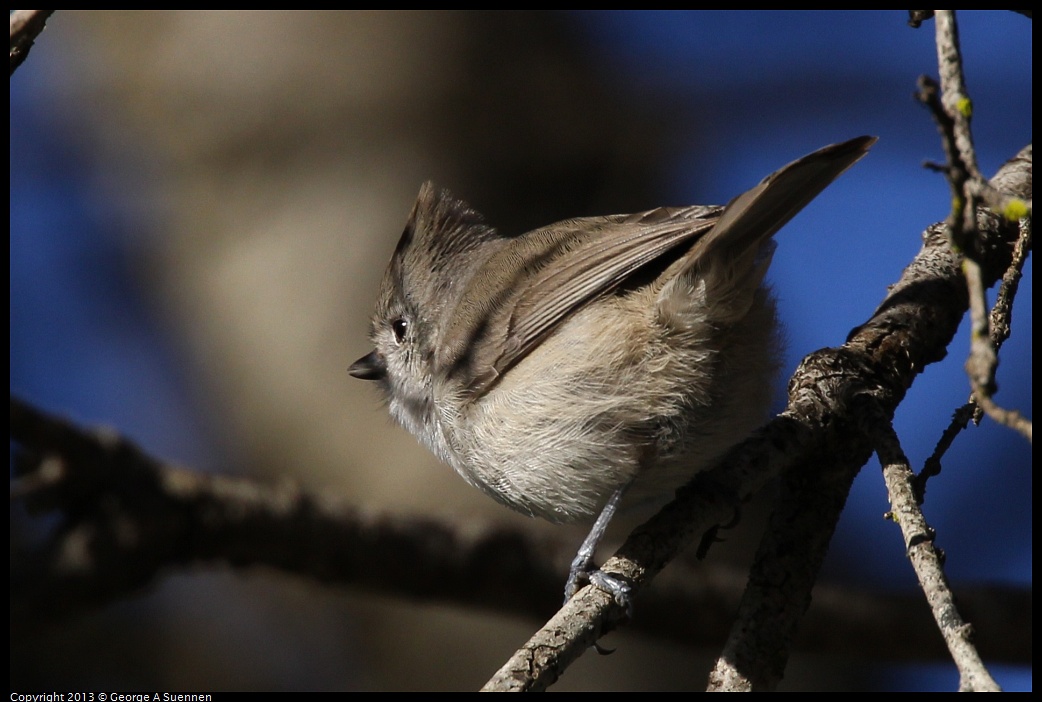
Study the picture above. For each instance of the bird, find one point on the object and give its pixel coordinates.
(594, 359)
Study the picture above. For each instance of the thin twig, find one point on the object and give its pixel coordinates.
(999, 328)
(952, 109)
(927, 563)
(961, 418)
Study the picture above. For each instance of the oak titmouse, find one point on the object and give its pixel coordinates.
(559, 369)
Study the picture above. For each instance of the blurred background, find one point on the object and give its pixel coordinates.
(202, 204)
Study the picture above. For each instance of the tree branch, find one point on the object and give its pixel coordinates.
(26, 25)
(927, 562)
(952, 109)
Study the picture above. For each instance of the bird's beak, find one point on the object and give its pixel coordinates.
(369, 367)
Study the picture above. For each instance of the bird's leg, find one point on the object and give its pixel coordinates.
(581, 569)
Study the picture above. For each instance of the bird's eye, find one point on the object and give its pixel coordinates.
(399, 327)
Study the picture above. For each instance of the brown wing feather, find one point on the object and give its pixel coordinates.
(560, 268)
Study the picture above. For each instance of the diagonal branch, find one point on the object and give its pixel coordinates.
(927, 562)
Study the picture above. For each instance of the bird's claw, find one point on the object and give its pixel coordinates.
(619, 590)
